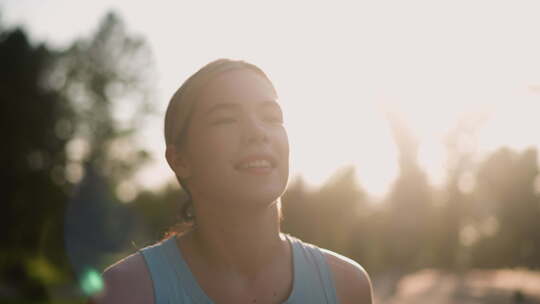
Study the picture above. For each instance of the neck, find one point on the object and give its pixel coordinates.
(244, 242)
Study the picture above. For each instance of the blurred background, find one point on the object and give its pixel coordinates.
(413, 128)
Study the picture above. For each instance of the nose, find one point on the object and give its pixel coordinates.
(255, 131)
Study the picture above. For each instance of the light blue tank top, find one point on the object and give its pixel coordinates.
(174, 282)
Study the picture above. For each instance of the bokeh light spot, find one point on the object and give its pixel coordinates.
(91, 282)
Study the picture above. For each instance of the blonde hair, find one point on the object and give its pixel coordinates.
(180, 106)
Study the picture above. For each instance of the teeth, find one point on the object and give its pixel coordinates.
(256, 164)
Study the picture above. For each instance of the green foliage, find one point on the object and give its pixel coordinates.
(506, 191)
(35, 129)
(334, 209)
(65, 114)
(108, 78)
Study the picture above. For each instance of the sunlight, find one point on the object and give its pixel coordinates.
(126, 191)
(435, 89)
(331, 83)
(432, 159)
(466, 182)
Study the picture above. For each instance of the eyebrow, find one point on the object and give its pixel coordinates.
(222, 106)
(235, 106)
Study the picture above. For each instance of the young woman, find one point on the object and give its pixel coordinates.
(228, 147)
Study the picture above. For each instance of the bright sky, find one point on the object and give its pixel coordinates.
(336, 65)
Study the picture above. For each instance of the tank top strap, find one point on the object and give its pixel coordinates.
(160, 273)
(313, 277)
(171, 275)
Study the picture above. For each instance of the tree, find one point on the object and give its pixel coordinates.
(454, 212)
(36, 124)
(69, 124)
(408, 206)
(508, 230)
(108, 78)
(326, 217)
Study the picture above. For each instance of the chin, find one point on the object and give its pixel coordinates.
(260, 197)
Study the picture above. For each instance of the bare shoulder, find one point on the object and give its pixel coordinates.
(353, 284)
(126, 281)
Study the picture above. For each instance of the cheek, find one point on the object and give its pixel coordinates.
(282, 144)
(209, 154)
(282, 140)
(208, 151)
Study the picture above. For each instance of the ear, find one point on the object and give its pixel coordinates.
(177, 161)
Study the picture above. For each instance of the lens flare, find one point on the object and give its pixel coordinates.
(91, 282)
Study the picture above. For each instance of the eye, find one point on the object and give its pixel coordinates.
(274, 118)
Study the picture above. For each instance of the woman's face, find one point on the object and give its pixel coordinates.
(237, 148)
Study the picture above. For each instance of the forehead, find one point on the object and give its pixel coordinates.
(238, 86)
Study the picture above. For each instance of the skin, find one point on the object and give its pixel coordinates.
(237, 252)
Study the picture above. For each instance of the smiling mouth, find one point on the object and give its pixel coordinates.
(262, 163)
(256, 165)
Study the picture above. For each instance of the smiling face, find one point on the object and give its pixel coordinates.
(236, 149)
